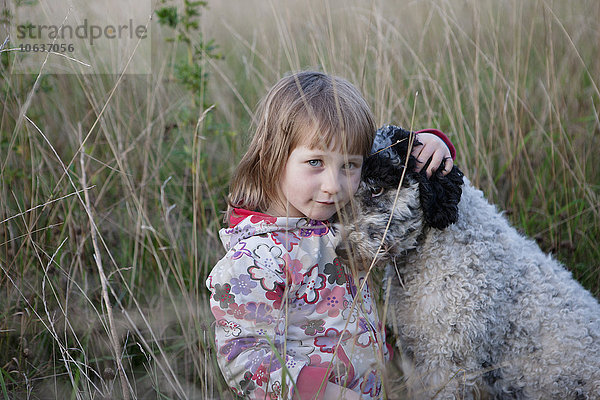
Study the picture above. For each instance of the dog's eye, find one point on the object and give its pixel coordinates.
(376, 191)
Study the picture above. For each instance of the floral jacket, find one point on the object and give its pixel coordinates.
(285, 308)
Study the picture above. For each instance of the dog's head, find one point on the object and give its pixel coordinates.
(421, 202)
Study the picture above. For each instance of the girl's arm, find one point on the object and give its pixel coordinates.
(435, 146)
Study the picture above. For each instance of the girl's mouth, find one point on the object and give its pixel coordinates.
(327, 203)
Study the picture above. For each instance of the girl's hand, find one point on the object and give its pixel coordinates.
(432, 147)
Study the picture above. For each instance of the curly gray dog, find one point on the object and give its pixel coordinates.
(482, 312)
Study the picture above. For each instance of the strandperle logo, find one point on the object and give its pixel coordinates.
(79, 36)
(87, 31)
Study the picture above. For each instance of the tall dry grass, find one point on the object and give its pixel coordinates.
(112, 187)
(514, 84)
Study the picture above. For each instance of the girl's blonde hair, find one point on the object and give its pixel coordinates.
(306, 108)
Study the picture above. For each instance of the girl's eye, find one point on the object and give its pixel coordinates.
(315, 163)
(350, 165)
(376, 191)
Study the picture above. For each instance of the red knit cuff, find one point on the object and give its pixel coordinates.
(444, 138)
(311, 383)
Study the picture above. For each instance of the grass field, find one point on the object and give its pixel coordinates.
(112, 187)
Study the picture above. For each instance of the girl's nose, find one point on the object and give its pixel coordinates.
(331, 183)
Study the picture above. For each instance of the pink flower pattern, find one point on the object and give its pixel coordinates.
(332, 301)
(276, 295)
(286, 238)
(261, 376)
(293, 269)
(330, 340)
(237, 311)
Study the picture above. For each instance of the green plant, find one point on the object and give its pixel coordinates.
(191, 70)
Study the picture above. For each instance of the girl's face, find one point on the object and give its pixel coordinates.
(315, 183)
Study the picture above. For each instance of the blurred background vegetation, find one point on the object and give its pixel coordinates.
(112, 187)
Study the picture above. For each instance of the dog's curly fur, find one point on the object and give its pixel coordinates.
(481, 310)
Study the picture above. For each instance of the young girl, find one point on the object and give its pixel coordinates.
(291, 321)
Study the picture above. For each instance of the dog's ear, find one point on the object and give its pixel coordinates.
(440, 196)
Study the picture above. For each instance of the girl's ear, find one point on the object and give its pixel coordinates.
(440, 196)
